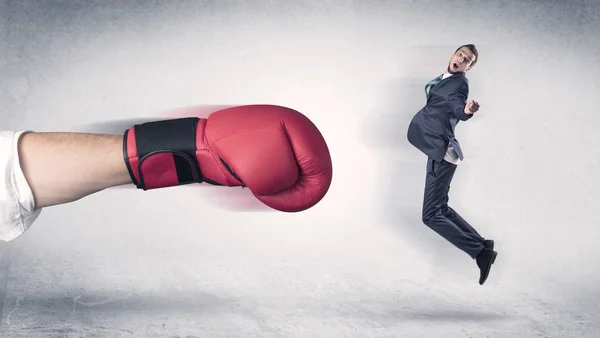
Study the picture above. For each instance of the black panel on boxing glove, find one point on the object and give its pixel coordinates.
(177, 137)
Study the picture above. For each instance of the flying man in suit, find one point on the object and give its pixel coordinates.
(432, 131)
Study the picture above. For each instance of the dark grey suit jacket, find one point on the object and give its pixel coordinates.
(432, 128)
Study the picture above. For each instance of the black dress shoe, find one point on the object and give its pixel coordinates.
(488, 244)
(485, 259)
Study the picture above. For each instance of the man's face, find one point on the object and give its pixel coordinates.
(461, 61)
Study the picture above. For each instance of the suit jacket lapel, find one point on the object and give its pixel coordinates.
(444, 81)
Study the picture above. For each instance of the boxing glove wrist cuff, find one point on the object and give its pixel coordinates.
(162, 153)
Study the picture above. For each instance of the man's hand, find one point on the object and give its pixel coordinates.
(471, 107)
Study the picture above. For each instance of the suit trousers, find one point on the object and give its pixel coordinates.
(440, 217)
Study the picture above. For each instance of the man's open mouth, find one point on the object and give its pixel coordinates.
(455, 65)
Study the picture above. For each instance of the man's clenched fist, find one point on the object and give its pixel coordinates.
(471, 107)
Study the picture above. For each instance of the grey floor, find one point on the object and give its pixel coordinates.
(211, 262)
(90, 279)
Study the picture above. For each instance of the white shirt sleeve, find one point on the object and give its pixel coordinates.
(17, 204)
(451, 155)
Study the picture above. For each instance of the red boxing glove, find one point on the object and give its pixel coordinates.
(277, 152)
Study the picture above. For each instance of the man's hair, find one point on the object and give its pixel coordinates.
(473, 49)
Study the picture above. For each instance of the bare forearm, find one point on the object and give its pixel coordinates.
(64, 167)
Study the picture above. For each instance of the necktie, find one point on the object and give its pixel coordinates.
(432, 83)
